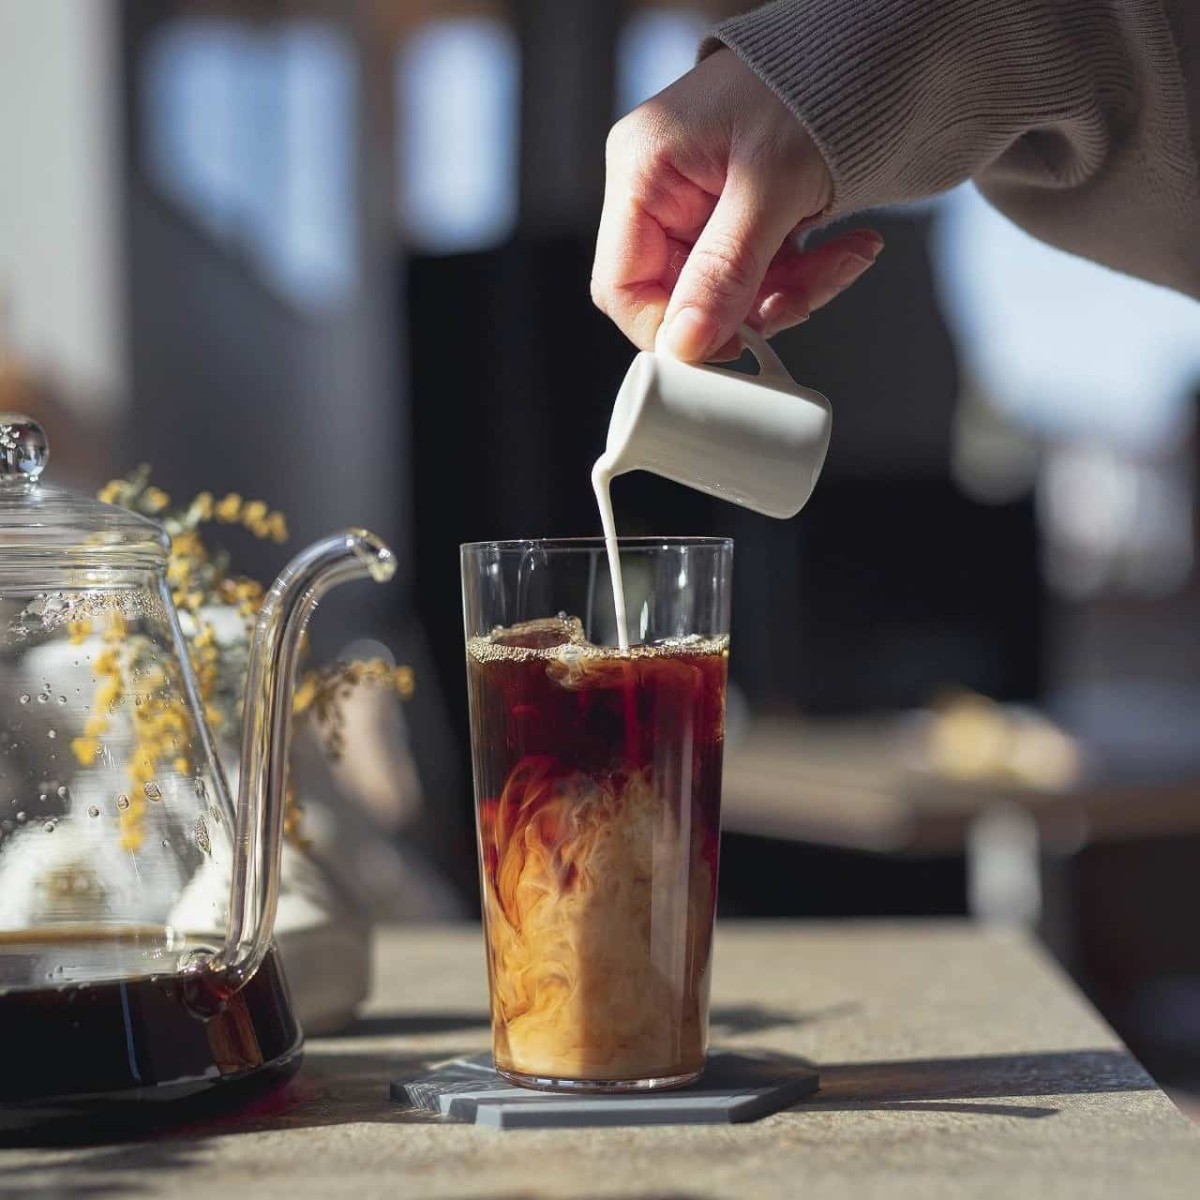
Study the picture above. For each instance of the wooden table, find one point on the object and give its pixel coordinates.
(956, 1061)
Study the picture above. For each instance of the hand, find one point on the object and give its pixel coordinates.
(708, 185)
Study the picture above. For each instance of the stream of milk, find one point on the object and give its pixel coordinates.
(602, 475)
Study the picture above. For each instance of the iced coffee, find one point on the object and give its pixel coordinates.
(598, 776)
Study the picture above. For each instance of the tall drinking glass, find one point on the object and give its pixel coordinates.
(598, 790)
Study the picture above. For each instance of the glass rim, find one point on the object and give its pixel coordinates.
(594, 543)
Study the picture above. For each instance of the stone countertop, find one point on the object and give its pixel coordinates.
(956, 1061)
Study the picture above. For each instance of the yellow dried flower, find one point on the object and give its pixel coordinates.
(227, 510)
(85, 749)
(155, 500)
(197, 578)
(253, 512)
(404, 681)
(306, 694)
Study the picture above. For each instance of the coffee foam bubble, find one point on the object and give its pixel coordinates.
(561, 640)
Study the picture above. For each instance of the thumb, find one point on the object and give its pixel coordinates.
(725, 268)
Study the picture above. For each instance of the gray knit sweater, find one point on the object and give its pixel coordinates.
(1080, 119)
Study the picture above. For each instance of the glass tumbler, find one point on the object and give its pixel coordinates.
(598, 788)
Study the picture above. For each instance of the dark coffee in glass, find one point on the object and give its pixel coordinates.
(598, 780)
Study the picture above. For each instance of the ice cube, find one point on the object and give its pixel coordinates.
(543, 634)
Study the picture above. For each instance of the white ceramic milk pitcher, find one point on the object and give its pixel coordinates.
(757, 440)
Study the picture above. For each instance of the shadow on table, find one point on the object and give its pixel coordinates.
(414, 1024)
(728, 1020)
(925, 1085)
(126, 1169)
(340, 1084)
(333, 1088)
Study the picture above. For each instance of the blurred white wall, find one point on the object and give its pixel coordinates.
(61, 296)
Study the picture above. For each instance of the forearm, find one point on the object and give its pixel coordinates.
(1070, 114)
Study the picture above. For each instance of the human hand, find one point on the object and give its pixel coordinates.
(708, 185)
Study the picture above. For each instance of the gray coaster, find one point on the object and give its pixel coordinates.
(733, 1088)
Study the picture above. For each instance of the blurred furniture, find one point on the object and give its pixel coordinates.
(857, 784)
(863, 784)
(954, 1061)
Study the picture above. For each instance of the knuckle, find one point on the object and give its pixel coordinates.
(639, 141)
(624, 136)
(726, 264)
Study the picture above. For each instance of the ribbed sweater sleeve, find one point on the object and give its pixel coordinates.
(1071, 115)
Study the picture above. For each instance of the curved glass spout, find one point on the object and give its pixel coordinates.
(267, 735)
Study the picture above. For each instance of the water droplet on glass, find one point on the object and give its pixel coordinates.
(62, 699)
(153, 791)
(122, 802)
(63, 791)
(25, 697)
(93, 811)
(200, 832)
(42, 697)
(201, 789)
(52, 733)
(49, 826)
(42, 797)
(21, 818)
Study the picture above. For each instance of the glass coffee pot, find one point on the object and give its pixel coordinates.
(137, 972)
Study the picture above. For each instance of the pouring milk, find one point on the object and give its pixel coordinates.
(756, 440)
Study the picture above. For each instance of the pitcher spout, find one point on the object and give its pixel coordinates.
(266, 735)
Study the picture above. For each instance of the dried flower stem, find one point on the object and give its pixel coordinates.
(200, 585)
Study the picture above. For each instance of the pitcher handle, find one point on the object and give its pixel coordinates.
(770, 366)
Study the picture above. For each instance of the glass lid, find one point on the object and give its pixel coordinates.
(42, 526)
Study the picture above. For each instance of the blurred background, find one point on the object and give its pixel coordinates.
(336, 256)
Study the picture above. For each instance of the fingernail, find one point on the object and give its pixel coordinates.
(850, 268)
(690, 334)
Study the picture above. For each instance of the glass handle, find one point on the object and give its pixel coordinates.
(267, 735)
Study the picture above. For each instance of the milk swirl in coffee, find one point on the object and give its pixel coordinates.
(598, 775)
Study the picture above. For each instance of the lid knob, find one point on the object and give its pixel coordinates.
(24, 451)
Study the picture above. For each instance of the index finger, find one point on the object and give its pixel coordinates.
(632, 268)
(651, 216)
